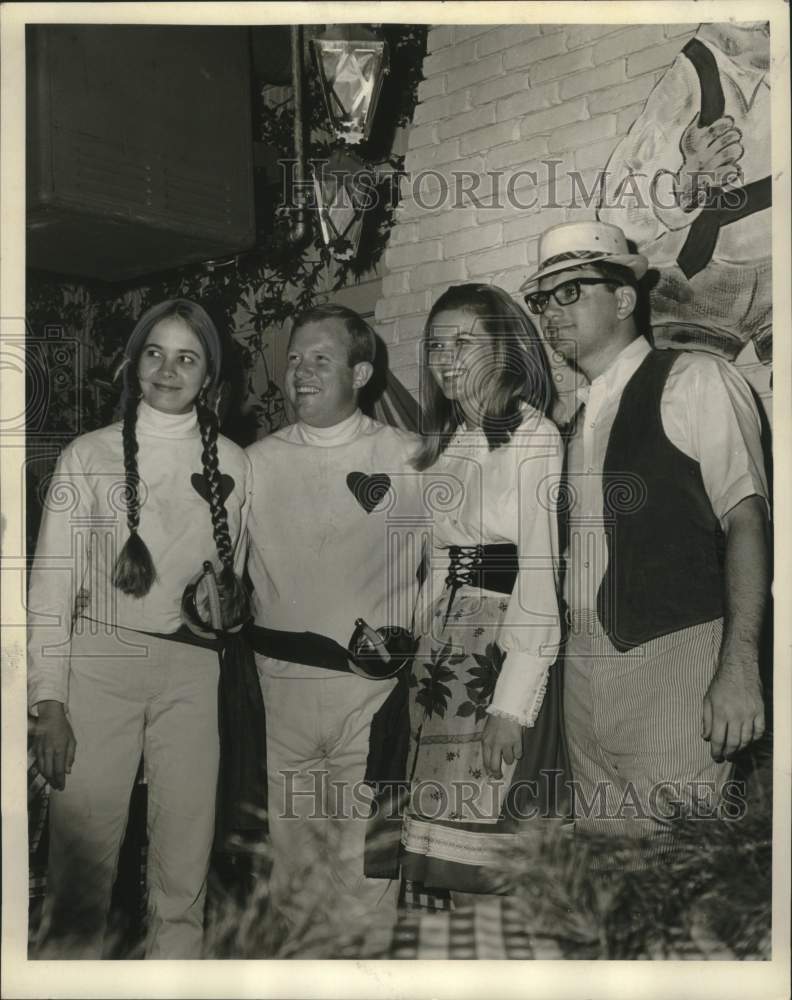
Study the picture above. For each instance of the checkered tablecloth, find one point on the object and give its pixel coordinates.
(496, 927)
(493, 928)
(488, 928)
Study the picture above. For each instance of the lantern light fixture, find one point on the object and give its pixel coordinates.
(351, 61)
(343, 193)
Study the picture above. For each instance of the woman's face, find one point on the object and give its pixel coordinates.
(460, 358)
(172, 368)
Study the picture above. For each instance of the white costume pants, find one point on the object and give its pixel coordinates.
(317, 745)
(131, 693)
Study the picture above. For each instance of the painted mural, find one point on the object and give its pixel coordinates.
(690, 185)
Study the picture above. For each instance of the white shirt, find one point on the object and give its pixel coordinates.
(501, 496)
(707, 411)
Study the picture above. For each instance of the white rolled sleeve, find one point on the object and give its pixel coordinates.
(54, 581)
(709, 413)
(531, 630)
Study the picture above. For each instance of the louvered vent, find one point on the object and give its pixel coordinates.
(139, 147)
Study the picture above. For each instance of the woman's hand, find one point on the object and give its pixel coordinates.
(53, 743)
(501, 738)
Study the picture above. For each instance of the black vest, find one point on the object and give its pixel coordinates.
(665, 545)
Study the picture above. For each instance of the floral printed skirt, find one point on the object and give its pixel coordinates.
(460, 820)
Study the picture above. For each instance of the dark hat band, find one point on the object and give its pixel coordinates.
(560, 258)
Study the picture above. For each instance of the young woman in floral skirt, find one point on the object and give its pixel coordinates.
(486, 740)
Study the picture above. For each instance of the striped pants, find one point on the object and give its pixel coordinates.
(633, 724)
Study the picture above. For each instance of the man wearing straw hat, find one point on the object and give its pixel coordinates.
(667, 556)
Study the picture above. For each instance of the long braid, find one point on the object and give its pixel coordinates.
(134, 571)
(234, 602)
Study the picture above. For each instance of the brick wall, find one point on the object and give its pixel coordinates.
(496, 105)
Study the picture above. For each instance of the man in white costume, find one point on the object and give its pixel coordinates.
(329, 494)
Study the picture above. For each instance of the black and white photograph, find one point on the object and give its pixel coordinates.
(396, 463)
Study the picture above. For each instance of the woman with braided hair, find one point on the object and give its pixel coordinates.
(134, 511)
(484, 705)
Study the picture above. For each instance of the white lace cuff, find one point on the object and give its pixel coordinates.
(525, 708)
(538, 700)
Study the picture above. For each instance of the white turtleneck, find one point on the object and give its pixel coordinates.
(173, 426)
(84, 527)
(317, 558)
(326, 437)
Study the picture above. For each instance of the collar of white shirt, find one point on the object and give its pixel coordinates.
(619, 372)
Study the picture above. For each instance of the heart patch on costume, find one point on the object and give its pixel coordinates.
(199, 485)
(368, 490)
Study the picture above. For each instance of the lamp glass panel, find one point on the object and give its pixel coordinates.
(340, 217)
(351, 74)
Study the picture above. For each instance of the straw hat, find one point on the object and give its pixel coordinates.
(574, 244)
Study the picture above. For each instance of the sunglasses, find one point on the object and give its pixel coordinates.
(564, 294)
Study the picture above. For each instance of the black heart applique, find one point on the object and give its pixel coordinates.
(368, 490)
(199, 485)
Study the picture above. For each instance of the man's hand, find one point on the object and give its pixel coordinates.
(733, 710)
(732, 713)
(710, 158)
(54, 744)
(501, 738)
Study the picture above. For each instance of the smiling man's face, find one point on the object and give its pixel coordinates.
(320, 383)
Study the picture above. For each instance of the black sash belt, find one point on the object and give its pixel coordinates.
(182, 634)
(308, 648)
(189, 638)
